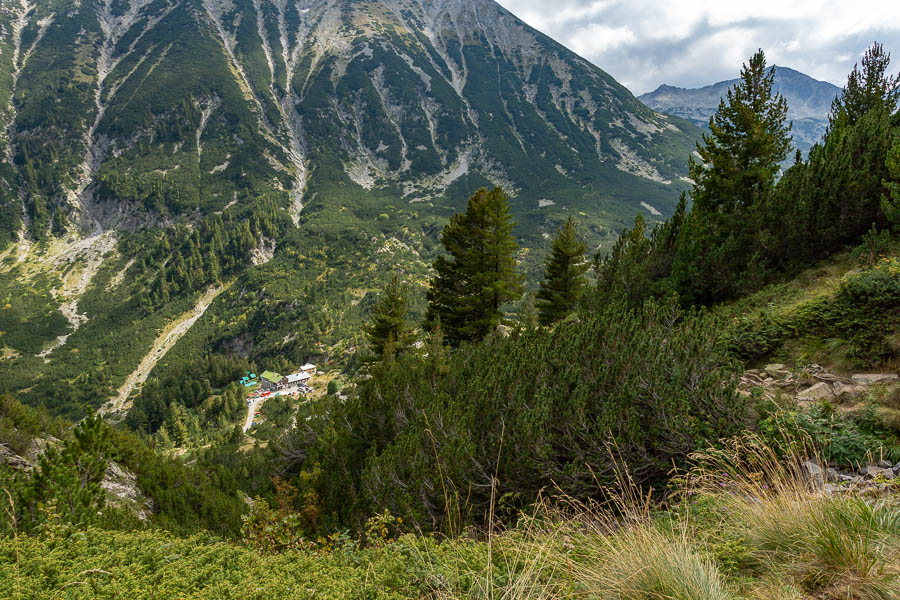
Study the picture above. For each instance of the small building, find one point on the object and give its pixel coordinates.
(298, 378)
(271, 381)
(308, 367)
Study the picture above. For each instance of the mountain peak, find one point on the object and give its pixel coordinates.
(809, 101)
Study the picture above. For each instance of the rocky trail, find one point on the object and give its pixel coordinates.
(811, 384)
(161, 346)
(814, 384)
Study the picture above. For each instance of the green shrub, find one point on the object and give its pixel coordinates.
(844, 438)
(873, 246)
(540, 410)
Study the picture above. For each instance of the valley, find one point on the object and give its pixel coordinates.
(405, 299)
(352, 122)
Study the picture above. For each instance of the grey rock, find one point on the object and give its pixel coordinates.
(873, 472)
(832, 475)
(813, 472)
(885, 464)
(819, 391)
(873, 378)
(13, 460)
(777, 371)
(844, 389)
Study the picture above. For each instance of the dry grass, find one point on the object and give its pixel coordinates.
(791, 541)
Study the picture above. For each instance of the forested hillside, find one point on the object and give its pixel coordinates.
(194, 190)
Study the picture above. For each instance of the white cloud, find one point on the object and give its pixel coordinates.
(645, 43)
(597, 39)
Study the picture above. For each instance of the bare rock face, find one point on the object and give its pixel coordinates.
(122, 491)
(11, 459)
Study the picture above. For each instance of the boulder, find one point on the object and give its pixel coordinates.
(825, 377)
(885, 464)
(873, 472)
(873, 378)
(777, 371)
(817, 392)
(813, 472)
(843, 389)
(832, 475)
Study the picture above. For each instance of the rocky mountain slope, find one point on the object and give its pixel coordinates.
(809, 101)
(302, 149)
(116, 112)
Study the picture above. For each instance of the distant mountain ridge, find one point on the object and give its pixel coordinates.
(809, 101)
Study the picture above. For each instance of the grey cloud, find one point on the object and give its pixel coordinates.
(706, 52)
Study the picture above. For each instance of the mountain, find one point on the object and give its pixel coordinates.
(106, 96)
(809, 102)
(195, 180)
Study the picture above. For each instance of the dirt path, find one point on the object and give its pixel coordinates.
(166, 340)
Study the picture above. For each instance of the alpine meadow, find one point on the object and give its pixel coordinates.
(395, 299)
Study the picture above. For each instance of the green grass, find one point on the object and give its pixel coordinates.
(743, 525)
(841, 313)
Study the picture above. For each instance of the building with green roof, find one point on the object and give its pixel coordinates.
(271, 380)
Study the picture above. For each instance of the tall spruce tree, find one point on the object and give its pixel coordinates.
(843, 186)
(739, 159)
(890, 202)
(733, 179)
(478, 274)
(564, 270)
(389, 327)
(870, 88)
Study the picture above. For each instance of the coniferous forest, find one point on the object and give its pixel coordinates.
(589, 423)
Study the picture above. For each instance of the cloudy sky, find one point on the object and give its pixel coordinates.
(689, 43)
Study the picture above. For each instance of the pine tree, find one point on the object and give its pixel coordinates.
(890, 203)
(868, 89)
(564, 270)
(69, 478)
(528, 313)
(478, 276)
(733, 180)
(389, 321)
